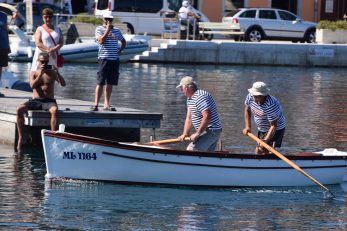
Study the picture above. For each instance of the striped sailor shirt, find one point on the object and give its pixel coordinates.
(266, 113)
(110, 48)
(201, 101)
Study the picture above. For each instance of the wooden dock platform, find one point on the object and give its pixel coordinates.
(124, 124)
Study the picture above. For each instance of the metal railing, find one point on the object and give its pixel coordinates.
(174, 27)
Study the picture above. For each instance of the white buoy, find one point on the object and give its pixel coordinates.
(30, 52)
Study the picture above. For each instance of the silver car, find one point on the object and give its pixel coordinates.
(269, 23)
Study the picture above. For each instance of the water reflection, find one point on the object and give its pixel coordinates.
(21, 188)
(102, 206)
(315, 107)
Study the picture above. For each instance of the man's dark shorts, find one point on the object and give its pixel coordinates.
(3, 58)
(276, 139)
(108, 72)
(40, 104)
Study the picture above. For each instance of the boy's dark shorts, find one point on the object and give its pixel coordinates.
(276, 139)
(3, 58)
(40, 104)
(108, 72)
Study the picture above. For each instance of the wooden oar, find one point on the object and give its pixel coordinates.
(168, 141)
(285, 159)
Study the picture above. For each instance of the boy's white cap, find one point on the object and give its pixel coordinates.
(107, 14)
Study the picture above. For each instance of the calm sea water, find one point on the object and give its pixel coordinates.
(314, 101)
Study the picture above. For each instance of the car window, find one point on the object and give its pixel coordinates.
(248, 14)
(102, 5)
(124, 5)
(21, 8)
(232, 13)
(36, 10)
(286, 15)
(267, 14)
(44, 6)
(149, 6)
(174, 5)
(54, 8)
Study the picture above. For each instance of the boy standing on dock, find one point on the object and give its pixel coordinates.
(107, 38)
(42, 82)
(4, 44)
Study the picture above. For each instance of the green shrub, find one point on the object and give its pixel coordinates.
(332, 25)
(90, 19)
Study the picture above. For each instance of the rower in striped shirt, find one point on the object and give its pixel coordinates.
(268, 116)
(202, 115)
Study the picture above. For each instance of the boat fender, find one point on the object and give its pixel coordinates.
(61, 127)
(332, 152)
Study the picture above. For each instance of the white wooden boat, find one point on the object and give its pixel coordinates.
(23, 48)
(80, 157)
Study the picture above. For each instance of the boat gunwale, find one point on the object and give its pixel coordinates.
(164, 151)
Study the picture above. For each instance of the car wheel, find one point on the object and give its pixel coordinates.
(254, 35)
(311, 36)
(208, 37)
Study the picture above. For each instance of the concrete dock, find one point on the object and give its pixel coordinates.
(245, 53)
(124, 124)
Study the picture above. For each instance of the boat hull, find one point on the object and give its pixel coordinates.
(79, 157)
(85, 52)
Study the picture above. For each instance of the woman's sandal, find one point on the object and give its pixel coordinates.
(109, 109)
(94, 108)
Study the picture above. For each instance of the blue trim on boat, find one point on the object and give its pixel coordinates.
(211, 165)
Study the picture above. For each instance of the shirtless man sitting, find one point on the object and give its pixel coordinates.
(42, 82)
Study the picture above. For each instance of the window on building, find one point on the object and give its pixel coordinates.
(230, 5)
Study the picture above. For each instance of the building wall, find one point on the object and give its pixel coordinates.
(214, 9)
(307, 10)
(311, 10)
(258, 3)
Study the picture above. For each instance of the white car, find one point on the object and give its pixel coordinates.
(269, 23)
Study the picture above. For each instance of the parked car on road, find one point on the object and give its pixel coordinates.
(269, 23)
(37, 15)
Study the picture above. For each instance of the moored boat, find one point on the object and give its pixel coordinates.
(80, 157)
(23, 48)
